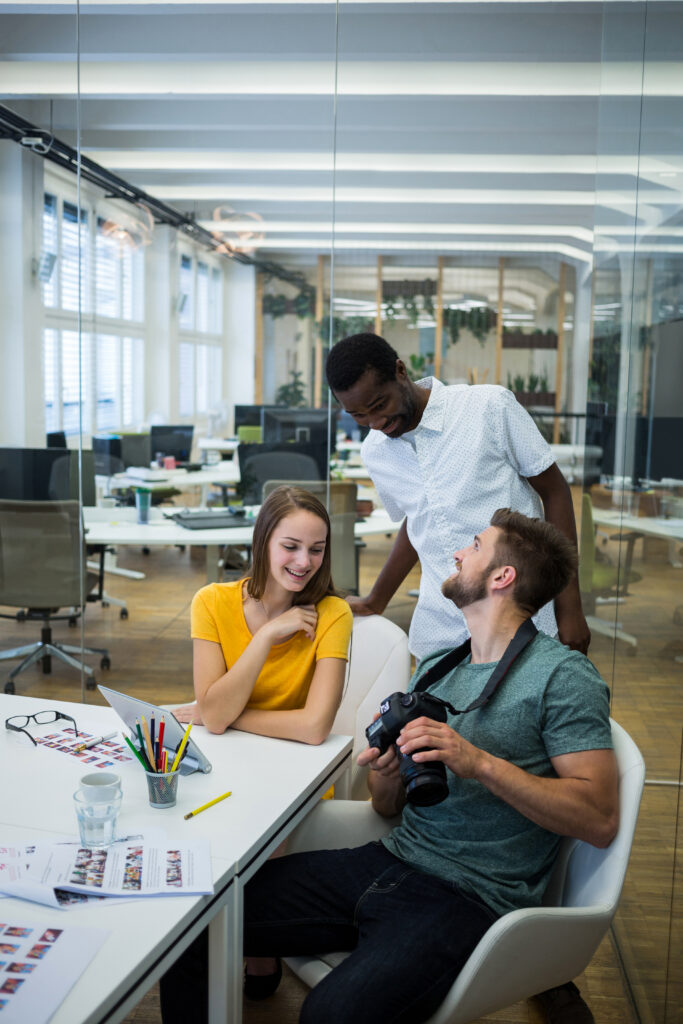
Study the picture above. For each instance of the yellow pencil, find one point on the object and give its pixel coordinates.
(176, 761)
(204, 806)
(148, 742)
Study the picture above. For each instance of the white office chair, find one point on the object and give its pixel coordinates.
(525, 951)
(379, 664)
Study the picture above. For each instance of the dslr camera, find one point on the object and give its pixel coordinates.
(425, 783)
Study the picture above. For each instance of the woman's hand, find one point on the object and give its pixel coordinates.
(302, 617)
(189, 713)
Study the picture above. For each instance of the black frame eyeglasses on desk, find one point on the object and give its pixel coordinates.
(18, 723)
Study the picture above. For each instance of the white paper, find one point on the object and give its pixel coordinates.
(127, 868)
(39, 964)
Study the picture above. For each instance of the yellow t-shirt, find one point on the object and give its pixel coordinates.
(284, 681)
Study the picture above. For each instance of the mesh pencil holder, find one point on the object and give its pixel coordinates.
(162, 788)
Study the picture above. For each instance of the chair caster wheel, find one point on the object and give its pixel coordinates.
(72, 623)
(105, 662)
(123, 614)
(105, 604)
(21, 616)
(145, 551)
(9, 688)
(90, 683)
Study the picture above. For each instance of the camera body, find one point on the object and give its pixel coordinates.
(425, 783)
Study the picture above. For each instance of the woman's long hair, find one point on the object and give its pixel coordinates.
(280, 503)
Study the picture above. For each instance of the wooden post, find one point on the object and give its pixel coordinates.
(258, 342)
(499, 322)
(561, 287)
(378, 299)
(319, 312)
(438, 330)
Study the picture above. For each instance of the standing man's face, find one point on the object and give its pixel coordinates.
(390, 406)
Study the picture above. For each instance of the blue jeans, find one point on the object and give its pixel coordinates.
(409, 935)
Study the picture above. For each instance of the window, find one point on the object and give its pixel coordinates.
(200, 362)
(102, 386)
(201, 369)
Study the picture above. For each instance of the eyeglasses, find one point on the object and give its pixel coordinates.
(18, 723)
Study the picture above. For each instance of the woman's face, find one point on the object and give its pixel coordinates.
(296, 549)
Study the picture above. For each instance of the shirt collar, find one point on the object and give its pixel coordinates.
(434, 411)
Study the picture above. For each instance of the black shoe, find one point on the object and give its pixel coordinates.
(564, 1005)
(261, 986)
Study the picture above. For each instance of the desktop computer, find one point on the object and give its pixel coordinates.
(46, 474)
(172, 440)
(305, 426)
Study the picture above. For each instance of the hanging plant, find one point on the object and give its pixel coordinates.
(428, 306)
(304, 303)
(293, 394)
(411, 310)
(389, 311)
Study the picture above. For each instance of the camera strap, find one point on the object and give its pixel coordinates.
(520, 641)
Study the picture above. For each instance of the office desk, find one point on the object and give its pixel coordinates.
(274, 784)
(653, 526)
(120, 526)
(225, 445)
(225, 473)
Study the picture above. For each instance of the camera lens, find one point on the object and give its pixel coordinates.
(425, 784)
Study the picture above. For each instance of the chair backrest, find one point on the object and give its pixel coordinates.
(585, 875)
(342, 512)
(261, 466)
(379, 664)
(42, 557)
(250, 435)
(55, 439)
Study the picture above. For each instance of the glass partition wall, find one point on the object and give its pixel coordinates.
(197, 201)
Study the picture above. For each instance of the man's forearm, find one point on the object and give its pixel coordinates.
(401, 560)
(387, 792)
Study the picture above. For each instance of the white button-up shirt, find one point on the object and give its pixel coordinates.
(470, 455)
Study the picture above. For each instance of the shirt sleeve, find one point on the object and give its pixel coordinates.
(576, 709)
(521, 441)
(202, 617)
(335, 632)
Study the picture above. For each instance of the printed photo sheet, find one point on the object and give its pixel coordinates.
(128, 868)
(39, 963)
(109, 754)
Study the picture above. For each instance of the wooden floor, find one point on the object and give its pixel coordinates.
(151, 658)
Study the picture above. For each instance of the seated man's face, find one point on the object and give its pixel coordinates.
(388, 406)
(474, 565)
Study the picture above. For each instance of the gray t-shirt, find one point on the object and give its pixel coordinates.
(552, 701)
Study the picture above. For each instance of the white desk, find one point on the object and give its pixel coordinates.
(654, 526)
(120, 526)
(274, 784)
(227, 473)
(218, 444)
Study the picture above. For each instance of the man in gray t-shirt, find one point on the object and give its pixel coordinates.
(532, 764)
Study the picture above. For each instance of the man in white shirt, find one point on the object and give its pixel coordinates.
(443, 459)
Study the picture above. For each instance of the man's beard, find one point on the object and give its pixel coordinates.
(465, 592)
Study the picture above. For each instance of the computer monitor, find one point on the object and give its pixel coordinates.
(250, 415)
(305, 426)
(56, 439)
(136, 450)
(45, 474)
(317, 451)
(656, 445)
(172, 440)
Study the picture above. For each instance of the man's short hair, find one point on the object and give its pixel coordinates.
(544, 559)
(351, 357)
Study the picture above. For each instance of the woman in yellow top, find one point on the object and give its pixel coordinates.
(270, 650)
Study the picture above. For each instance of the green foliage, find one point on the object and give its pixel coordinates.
(302, 305)
(478, 321)
(342, 327)
(292, 394)
(420, 366)
(518, 383)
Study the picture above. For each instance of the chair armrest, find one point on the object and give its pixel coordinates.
(336, 824)
(524, 952)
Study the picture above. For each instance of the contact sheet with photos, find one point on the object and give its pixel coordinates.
(133, 867)
(108, 754)
(39, 963)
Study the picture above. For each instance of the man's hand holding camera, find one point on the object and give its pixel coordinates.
(436, 741)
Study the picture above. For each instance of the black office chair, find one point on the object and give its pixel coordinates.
(256, 467)
(43, 569)
(55, 439)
